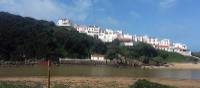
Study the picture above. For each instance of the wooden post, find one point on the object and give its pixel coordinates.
(49, 71)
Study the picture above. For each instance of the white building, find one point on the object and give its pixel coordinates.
(64, 22)
(125, 37)
(81, 28)
(93, 30)
(138, 39)
(181, 48)
(153, 41)
(165, 44)
(128, 43)
(97, 57)
(108, 35)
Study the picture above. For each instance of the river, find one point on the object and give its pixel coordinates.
(104, 71)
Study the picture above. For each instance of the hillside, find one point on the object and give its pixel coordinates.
(27, 38)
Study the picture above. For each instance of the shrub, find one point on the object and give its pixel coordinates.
(18, 85)
(147, 84)
(4, 85)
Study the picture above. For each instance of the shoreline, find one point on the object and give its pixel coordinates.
(185, 66)
(191, 66)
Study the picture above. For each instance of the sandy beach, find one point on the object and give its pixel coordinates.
(184, 66)
(105, 82)
(177, 66)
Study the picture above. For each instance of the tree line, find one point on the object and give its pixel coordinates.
(27, 38)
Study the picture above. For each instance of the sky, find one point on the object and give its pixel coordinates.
(177, 20)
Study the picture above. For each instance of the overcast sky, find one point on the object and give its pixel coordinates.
(178, 20)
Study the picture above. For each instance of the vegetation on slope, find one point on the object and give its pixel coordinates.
(27, 38)
(144, 53)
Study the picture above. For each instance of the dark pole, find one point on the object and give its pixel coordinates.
(49, 71)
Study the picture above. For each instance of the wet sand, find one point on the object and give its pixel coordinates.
(105, 82)
(185, 66)
(176, 66)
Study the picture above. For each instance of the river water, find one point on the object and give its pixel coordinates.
(104, 71)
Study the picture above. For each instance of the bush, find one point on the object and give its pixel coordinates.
(4, 85)
(147, 84)
(19, 85)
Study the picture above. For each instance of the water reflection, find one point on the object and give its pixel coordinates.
(84, 70)
(176, 74)
(100, 71)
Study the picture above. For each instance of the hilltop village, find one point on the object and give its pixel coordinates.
(108, 35)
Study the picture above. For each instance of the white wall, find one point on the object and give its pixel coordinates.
(97, 58)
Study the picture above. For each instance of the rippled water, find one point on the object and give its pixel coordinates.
(85, 70)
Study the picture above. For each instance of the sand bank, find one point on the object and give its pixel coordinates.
(176, 66)
(105, 82)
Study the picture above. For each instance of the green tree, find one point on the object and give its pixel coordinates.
(26, 38)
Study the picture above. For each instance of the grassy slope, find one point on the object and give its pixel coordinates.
(175, 57)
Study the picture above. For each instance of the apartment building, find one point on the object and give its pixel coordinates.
(64, 22)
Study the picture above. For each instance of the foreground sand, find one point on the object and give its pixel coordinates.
(104, 82)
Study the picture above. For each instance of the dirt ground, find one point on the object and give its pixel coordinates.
(104, 82)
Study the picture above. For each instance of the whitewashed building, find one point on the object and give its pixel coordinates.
(182, 49)
(165, 44)
(97, 57)
(64, 22)
(81, 28)
(128, 43)
(108, 35)
(153, 41)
